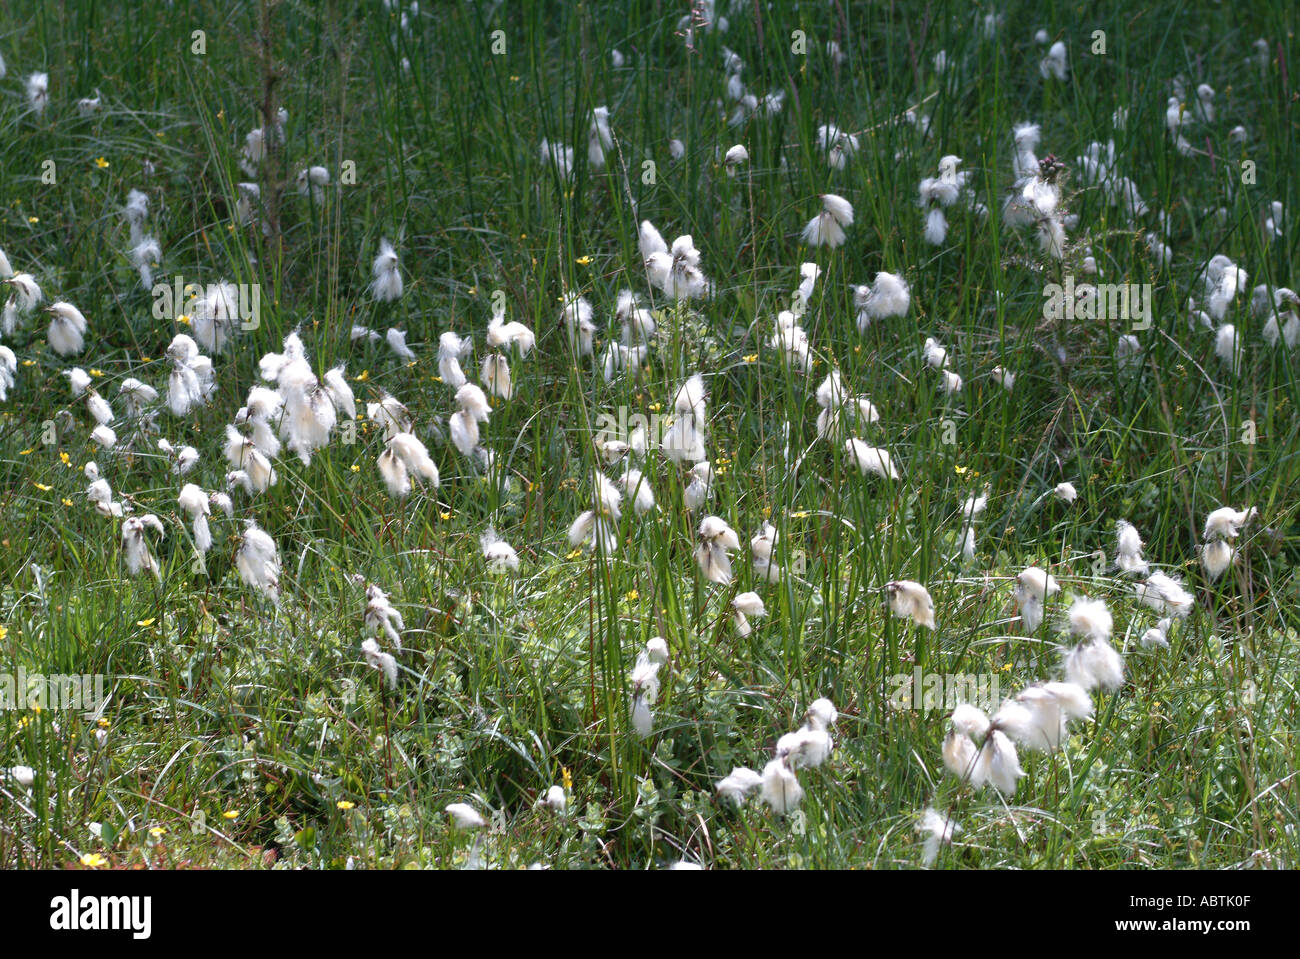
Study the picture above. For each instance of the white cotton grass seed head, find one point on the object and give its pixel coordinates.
(735, 157)
(503, 335)
(821, 714)
(390, 413)
(1216, 557)
(887, 297)
(934, 354)
(836, 145)
(938, 830)
(186, 458)
(960, 756)
(312, 181)
(258, 560)
(1093, 664)
(66, 333)
(998, 764)
(215, 315)
(1017, 722)
(805, 748)
(1165, 594)
(8, 371)
(376, 658)
(644, 680)
(827, 227)
(738, 784)
(415, 457)
(969, 720)
(98, 407)
(24, 296)
(908, 599)
(831, 392)
(1055, 65)
(699, 490)
(747, 606)
(465, 816)
(1227, 347)
(555, 799)
(135, 545)
(1129, 549)
(1157, 636)
(1226, 523)
(386, 283)
(1089, 619)
(381, 614)
(1038, 716)
(78, 380)
(451, 349)
(974, 506)
(100, 495)
(145, 255)
(968, 542)
(656, 650)
(780, 788)
(716, 541)
(104, 437)
(38, 92)
(396, 340)
(559, 156)
(499, 555)
(136, 209)
(1032, 590)
(637, 486)
(749, 603)
(495, 374)
(763, 542)
(871, 460)
(195, 503)
(340, 393)
(394, 473)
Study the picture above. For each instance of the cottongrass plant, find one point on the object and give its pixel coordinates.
(794, 441)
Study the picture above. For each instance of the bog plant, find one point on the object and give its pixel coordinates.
(419, 503)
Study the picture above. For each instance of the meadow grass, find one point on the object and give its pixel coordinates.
(236, 725)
